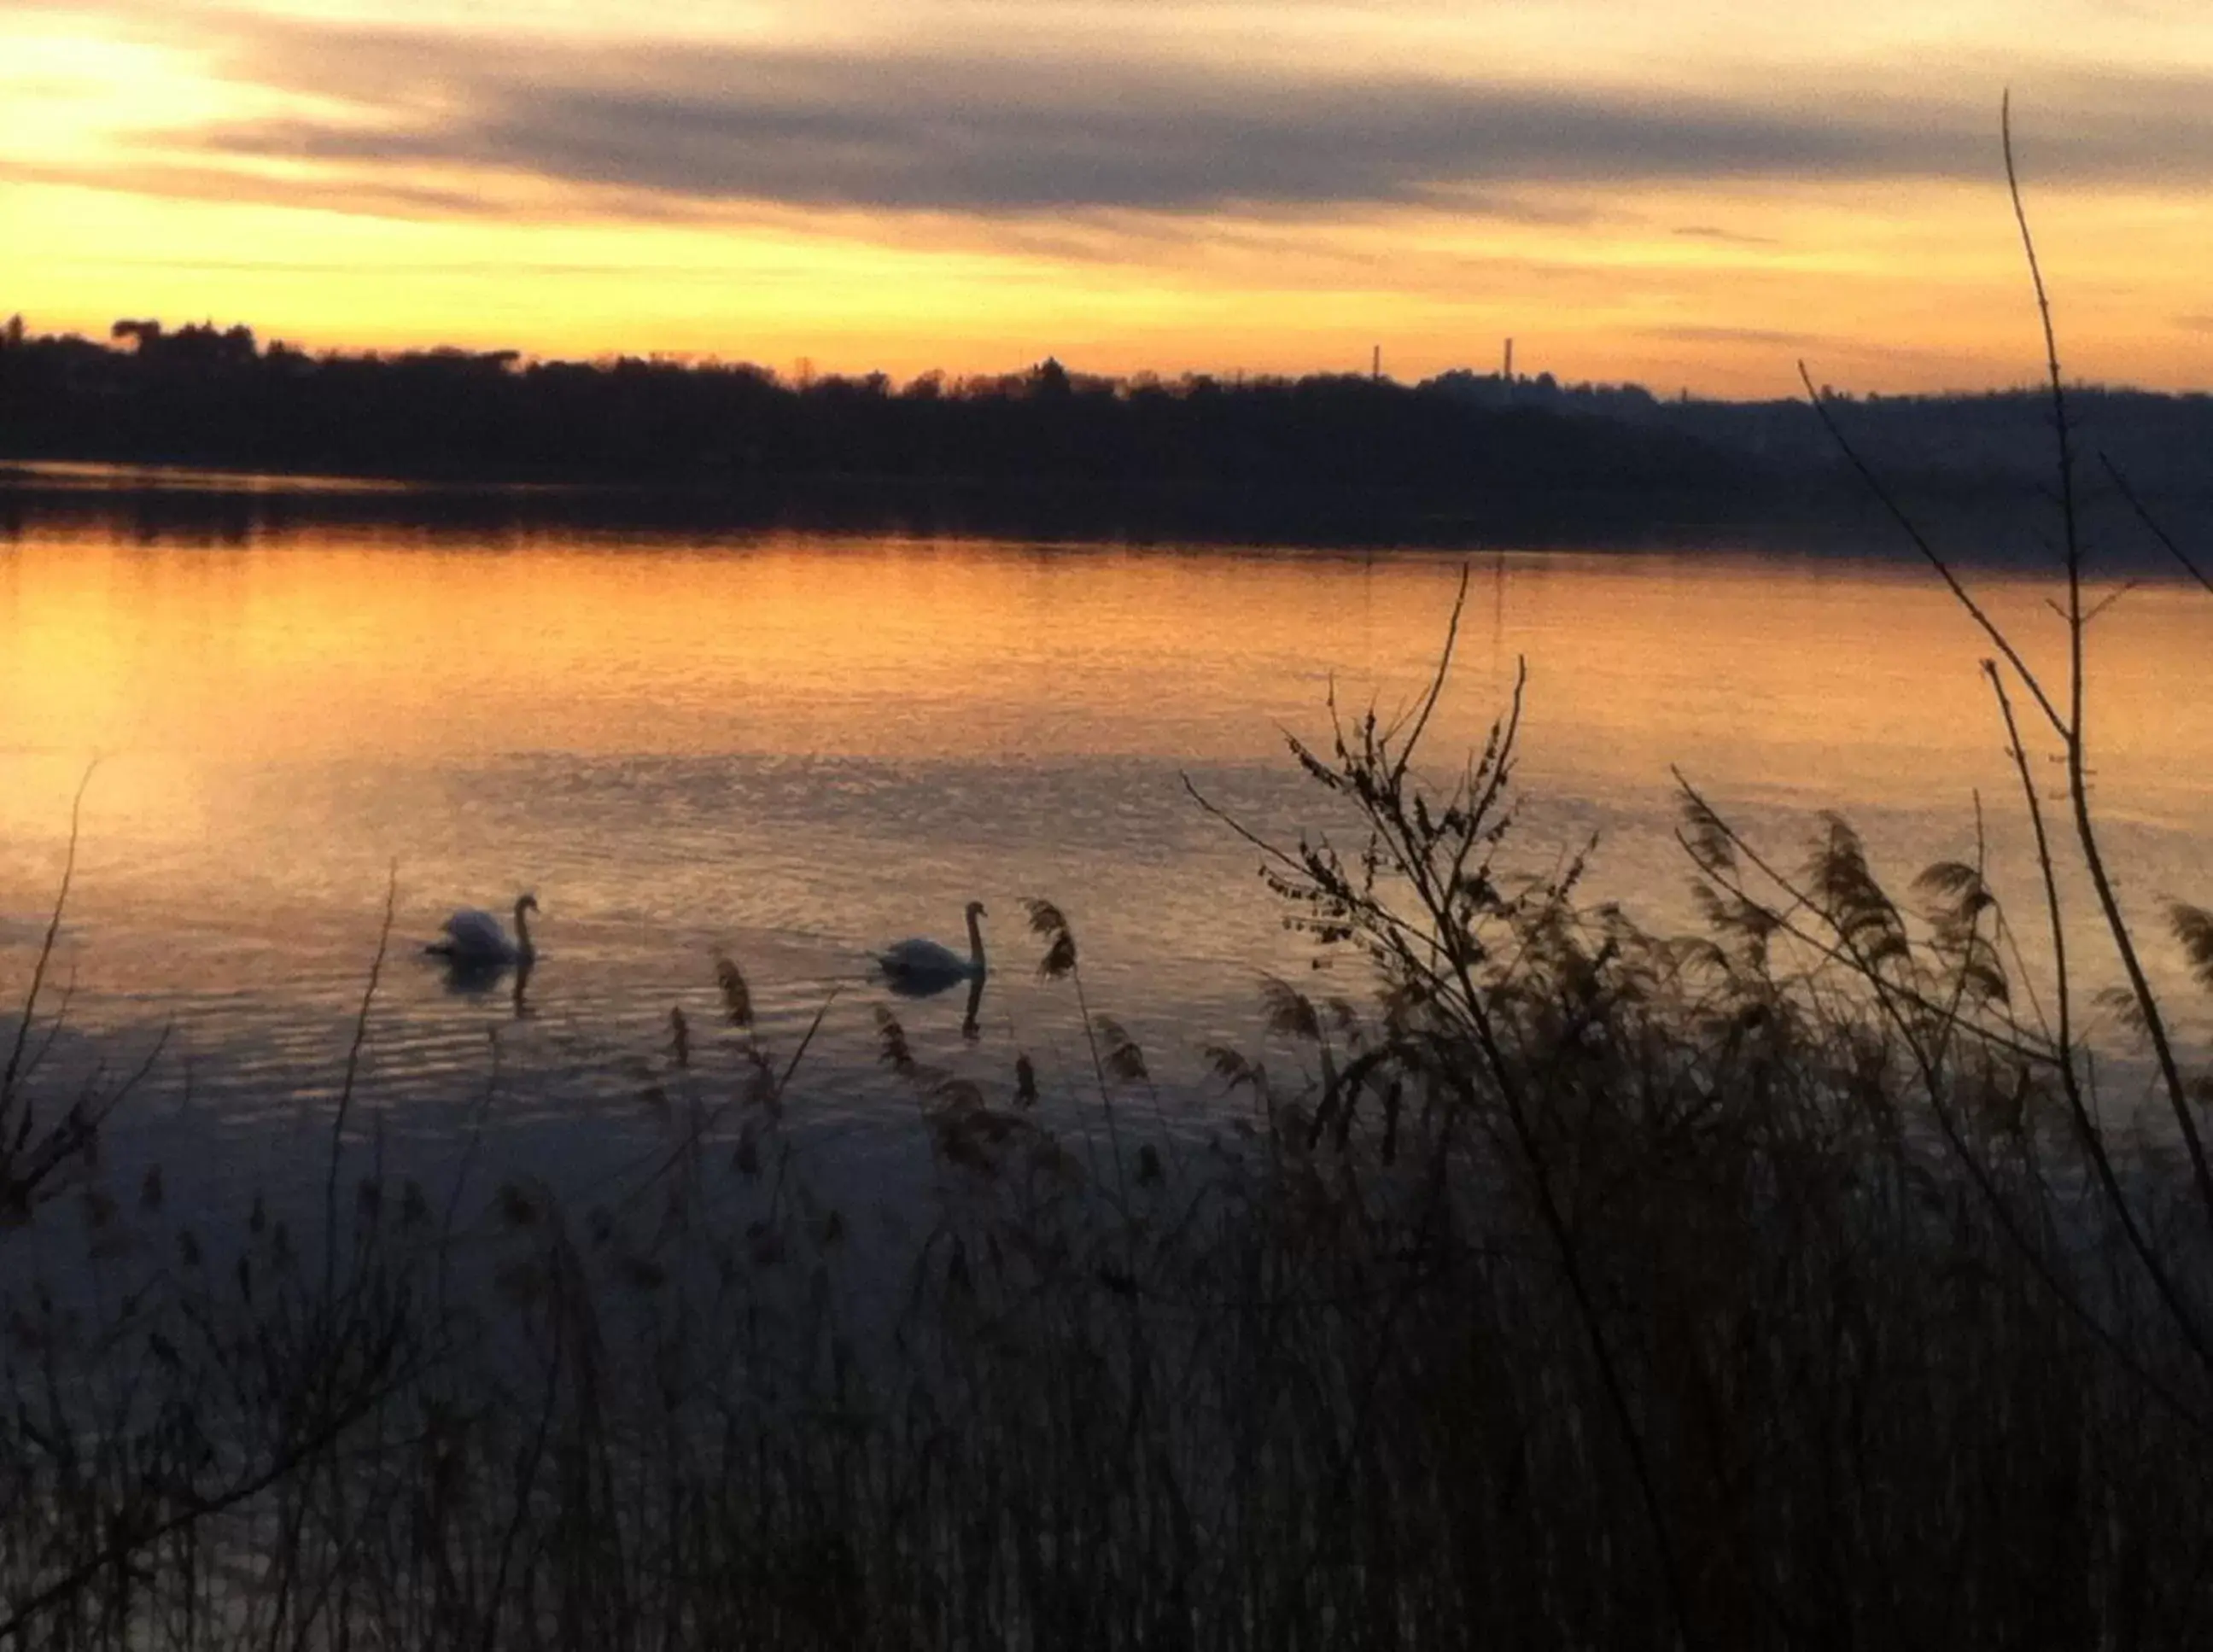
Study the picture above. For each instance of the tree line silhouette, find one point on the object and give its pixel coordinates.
(1328, 458)
(207, 396)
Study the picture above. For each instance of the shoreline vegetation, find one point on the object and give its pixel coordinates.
(1817, 1278)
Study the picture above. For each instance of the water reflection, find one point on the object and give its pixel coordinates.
(932, 986)
(478, 979)
(915, 987)
(915, 991)
(782, 748)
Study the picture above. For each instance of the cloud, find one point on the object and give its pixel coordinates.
(1714, 335)
(1025, 127)
(1724, 237)
(382, 198)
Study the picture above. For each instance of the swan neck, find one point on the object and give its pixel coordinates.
(975, 944)
(522, 929)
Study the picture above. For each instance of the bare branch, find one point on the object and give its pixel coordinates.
(1934, 557)
(2152, 523)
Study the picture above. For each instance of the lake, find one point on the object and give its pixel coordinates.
(793, 748)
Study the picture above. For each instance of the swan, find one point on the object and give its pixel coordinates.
(919, 966)
(473, 936)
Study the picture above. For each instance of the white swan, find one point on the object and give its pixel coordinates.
(473, 936)
(919, 966)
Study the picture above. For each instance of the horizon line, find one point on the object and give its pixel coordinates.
(804, 373)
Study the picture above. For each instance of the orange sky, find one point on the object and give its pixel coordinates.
(1687, 194)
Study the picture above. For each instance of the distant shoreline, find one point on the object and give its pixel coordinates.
(189, 499)
(259, 437)
(1989, 522)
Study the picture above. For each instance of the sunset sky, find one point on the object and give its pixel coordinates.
(1687, 194)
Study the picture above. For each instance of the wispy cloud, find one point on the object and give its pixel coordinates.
(987, 134)
(383, 196)
(1722, 237)
(1694, 334)
(1022, 127)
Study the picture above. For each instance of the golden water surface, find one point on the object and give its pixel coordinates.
(798, 748)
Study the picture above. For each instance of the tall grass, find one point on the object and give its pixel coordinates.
(1785, 1284)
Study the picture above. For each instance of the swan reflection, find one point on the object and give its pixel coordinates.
(918, 968)
(466, 978)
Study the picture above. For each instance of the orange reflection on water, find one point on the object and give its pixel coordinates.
(1836, 684)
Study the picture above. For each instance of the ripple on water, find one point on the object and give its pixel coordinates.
(793, 753)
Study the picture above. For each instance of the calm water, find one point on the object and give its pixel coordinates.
(795, 749)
